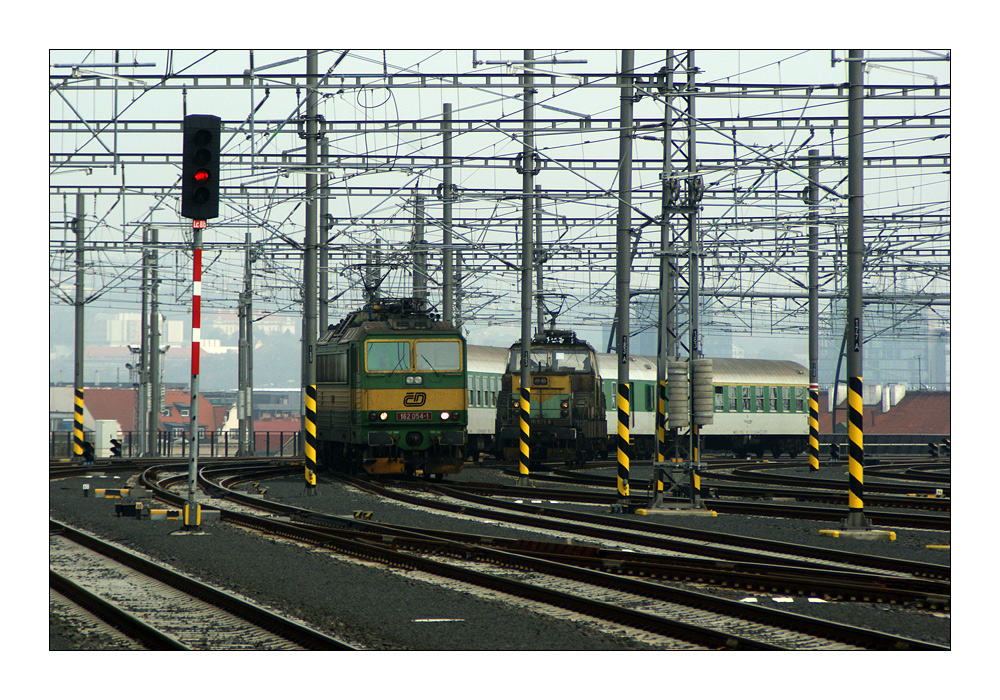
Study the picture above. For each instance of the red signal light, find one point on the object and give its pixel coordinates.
(201, 175)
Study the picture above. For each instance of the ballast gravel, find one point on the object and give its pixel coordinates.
(375, 608)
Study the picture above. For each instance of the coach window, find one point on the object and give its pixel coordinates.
(387, 356)
(720, 399)
(732, 399)
(772, 403)
(746, 398)
(786, 399)
(759, 396)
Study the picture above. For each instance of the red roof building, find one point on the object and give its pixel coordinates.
(120, 405)
(917, 413)
(276, 435)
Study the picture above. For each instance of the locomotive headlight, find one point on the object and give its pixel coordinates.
(383, 416)
(445, 415)
(564, 404)
(414, 379)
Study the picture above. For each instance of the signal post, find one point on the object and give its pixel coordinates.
(200, 184)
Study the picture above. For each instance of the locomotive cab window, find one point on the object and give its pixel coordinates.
(387, 356)
(439, 355)
(331, 368)
(570, 361)
(537, 361)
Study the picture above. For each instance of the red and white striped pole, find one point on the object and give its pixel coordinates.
(196, 310)
(192, 511)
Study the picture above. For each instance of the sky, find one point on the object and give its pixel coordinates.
(586, 299)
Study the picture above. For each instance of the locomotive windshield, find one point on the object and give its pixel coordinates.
(387, 356)
(552, 360)
(439, 355)
(394, 356)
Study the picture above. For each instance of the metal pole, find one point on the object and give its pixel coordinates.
(694, 274)
(154, 344)
(458, 289)
(665, 330)
(448, 295)
(78, 307)
(192, 511)
(812, 201)
(855, 261)
(622, 273)
(243, 387)
(324, 236)
(144, 349)
(419, 252)
(527, 258)
(309, 276)
(539, 254)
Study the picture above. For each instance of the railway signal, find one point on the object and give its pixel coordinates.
(116, 448)
(200, 171)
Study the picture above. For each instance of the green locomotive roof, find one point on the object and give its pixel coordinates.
(385, 316)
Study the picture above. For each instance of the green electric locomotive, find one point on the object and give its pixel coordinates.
(567, 417)
(391, 397)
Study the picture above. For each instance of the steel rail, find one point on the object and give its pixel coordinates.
(126, 623)
(595, 525)
(579, 563)
(389, 555)
(276, 624)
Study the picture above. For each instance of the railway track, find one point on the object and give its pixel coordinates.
(528, 509)
(779, 501)
(600, 585)
(437, 552)
(162, 609)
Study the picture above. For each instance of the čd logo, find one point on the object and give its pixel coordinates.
(415, 398)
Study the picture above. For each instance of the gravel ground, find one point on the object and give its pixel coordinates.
(376, 609)
(367, 606)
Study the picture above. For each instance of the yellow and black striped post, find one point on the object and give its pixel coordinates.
(661, 442)
(695, 476)
(855, 301)
(623, 445)
(310, 441)
(855, 454)
(78, 424)
(524, 415)
(814, 426)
